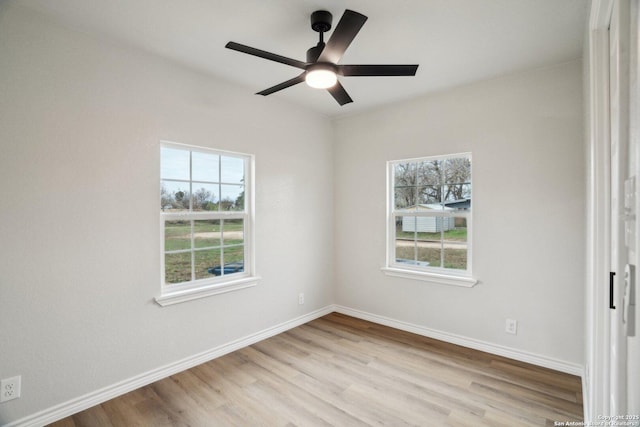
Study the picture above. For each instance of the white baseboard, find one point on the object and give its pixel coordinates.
(523, 356)
(586, 408)
(81, 403)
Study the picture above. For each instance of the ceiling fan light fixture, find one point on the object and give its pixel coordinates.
(321, 68)
(321, 76)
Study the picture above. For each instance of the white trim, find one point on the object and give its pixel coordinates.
(598, 247)
(499, 350)
(600, 14)
(97, 397)
(441, 279)
(436, 157)
(200, 149)
(596, 378)
(586, 404)
(183, 295)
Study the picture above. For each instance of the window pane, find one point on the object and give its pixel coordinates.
(457, 171)
(174, 164)
(455, 244)
(456, 230)
(457, 179)
(410, 251)
(405, 251)
(232, 198)
(205, 167)
(174, 196)
(405, 239)
(233, 232)
(234, 259)
(405, 175)
(429, 240)
(429, 173)
(177, 235)
(456, 192)
(427, 227)
(404, 185)
(206, 233)
(206, 262)
(429, 195)
(455, 255)
(429, 255)
(204, 197)
(466, 197)
(177, 267)
(232, 170)
(405, 227)
(405, 197)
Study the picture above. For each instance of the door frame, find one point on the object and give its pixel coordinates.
(596, 377)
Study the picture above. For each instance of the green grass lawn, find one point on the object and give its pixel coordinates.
(453, 258)
(208, 247)
(178, 233)
(178, 266)
(453, 235)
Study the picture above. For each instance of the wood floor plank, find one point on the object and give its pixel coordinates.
(339, 371)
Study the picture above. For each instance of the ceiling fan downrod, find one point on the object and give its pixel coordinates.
(321, 22)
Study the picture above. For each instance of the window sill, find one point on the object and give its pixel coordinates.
(441, 279)
(183, 295)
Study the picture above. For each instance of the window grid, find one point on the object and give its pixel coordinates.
(410, 209)
(225, 248)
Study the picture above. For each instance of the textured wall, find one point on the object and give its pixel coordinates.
(525, 133)
(80, 125)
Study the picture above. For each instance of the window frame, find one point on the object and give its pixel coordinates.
(173, 293)
(440, 275)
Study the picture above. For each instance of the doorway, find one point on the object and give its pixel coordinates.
(613, 350)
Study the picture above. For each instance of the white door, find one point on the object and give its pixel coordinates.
(618, 74)
(623, 208)
(631, 297)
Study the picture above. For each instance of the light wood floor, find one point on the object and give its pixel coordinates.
(342, 371)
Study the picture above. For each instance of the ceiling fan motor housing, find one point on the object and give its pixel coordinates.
(321, 21)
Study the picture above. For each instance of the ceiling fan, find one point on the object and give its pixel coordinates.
(321, 69)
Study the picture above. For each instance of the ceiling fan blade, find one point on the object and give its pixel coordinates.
(266, 55)
(377, 70)
(339, 94)
(283, 85)
(342, 36)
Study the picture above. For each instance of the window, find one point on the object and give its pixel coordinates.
(429, 219)
(206, 222)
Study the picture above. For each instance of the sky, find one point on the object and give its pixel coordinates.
(221, 175)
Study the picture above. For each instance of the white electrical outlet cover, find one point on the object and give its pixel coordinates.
(10, 388)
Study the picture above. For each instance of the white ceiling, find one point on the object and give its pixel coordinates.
(454, 41)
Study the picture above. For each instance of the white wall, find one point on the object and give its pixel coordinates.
(80, 125)
(525, 133)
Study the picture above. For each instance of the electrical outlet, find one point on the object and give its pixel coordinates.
(300, 298)
(10, 388)
(511, 326)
